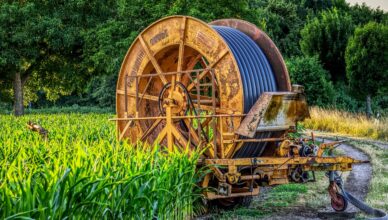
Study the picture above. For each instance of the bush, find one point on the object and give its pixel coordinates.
(344, 100)
(326, 36)
(101, 90)
(5, 108)
(308, 71)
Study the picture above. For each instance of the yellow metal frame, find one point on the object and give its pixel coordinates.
(168, 53)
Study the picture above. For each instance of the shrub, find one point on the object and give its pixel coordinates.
(326, 36)
(307, 71)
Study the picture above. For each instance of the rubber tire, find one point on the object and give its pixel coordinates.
(231, 203)
(344, 201)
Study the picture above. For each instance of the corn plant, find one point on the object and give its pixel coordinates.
(83, 172)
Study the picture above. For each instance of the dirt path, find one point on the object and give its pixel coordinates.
(359, 178)
(357, 183)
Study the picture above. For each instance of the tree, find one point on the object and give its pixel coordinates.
(210, 10)
(367, 61)
(18, 52)
(42, 40)
(326, 36)
(106, 44)
(308, 71)
(362, 14)
(320, 5)
(280, 20)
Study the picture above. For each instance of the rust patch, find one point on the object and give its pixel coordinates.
(249, 125)
(233, 81)
(298, 108)
(204, 39)
(273, 108)
(158, 37)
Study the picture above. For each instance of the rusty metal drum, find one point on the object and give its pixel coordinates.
(190, 70)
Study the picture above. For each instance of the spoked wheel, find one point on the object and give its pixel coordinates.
(339, 204)
(177, 73)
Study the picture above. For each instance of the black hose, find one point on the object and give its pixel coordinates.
(379, 214)
(256, 75)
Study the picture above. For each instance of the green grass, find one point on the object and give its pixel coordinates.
(278, 199)
(83, 172)
(283, 196)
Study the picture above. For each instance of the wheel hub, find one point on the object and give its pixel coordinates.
(175, 98)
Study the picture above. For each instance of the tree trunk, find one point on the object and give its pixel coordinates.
(368, 107)
(18, 95)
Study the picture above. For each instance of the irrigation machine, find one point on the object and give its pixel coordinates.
(222, 87)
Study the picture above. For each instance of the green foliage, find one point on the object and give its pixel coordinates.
(106, 44)
(281, 21)
(42, 40)
(279, 197)
(320, 5)
(82, 172)
(343, 99)
(299, 131)
(210, 10)
(380, 104)
(308, 71)
(362, 14)
(101, 91)
(71, 109)
(367, 60)
(326, 36)
(5, 108)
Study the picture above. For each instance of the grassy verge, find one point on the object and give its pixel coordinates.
(82, 172)
(378, 193)
(347, 123)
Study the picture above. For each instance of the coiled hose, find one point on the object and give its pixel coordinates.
(256, 75)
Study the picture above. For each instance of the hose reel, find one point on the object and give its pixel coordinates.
(184, 53)
(222, 87)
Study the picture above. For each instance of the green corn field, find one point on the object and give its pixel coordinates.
(82, 172)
